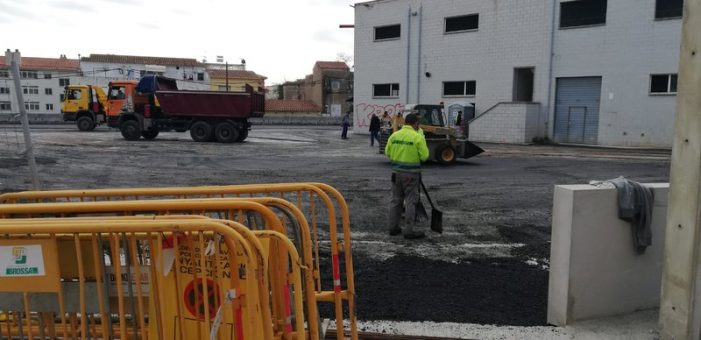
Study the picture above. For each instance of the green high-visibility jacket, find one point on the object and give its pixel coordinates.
(406, 149)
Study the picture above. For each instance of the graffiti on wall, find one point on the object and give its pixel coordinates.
(364, 111)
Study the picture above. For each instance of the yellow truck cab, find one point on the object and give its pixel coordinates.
(85, 105)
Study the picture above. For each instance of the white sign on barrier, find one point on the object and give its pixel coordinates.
(21, 260)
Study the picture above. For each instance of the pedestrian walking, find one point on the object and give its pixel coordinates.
(397, 122)
(406, 149)
(374, 129)
(386, 119)
(345, 123)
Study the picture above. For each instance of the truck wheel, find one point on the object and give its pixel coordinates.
(226, 132)
(85, 123)
(150, 134)
(201, 131)
(130, 130)
(445, 154)
(242, 135)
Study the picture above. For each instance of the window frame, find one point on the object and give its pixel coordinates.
(464, 89)
(445, 24)
(30, 90)
(8, 106)
(31, 106)
(48, 76)
(669, 76)
(660, 18)
(374, 33)
(566, 3)
(64, 81)
(4, 90)
(49, 91)
(4, 74)
(390, 96)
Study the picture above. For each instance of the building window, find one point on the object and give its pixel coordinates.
(47, 75)
(30, 75)
(5, 106)
(663, 84)
(582, 13)
(669, 9)
(200, 76)
(4, 74)
(64, 82)
(49, 107)
(385, 90)
(31, 106)
(388, 32)
(462, 23)
(48, 91)
(4, 90)
(30, 89)
(459, 88)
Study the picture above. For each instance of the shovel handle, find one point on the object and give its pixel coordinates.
(426, 192)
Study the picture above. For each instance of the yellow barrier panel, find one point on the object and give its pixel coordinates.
(37, 234)
(325, 193)
(216, 206)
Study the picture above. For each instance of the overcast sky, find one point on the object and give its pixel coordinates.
(280, 39)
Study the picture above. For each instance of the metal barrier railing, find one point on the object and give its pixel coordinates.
(230, 208)
(114, 244)
(325, 193)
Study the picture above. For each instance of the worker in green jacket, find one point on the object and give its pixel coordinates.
(406, 148)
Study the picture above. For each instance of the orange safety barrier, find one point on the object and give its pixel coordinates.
(323, 192)
(35, 269)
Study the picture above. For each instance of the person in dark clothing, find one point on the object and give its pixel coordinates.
(345, 124)
(374, 129)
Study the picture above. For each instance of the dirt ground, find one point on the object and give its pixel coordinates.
(490, 266)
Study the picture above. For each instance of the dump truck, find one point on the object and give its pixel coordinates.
(158, 105)
(446, 142)
(89, 106)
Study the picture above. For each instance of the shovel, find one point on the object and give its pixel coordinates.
(436, 215)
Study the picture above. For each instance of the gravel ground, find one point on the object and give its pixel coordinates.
(490, 266)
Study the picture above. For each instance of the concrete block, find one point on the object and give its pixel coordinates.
(594, 269)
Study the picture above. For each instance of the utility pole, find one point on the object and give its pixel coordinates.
(15, 60)
(226, 73)
(680, 305)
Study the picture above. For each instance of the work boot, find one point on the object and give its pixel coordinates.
(395, 231)
(413, 235)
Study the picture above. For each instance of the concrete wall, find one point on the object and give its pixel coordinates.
(594, 269)
(515, 123)
(624, 52)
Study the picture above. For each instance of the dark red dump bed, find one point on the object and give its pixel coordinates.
(212, 103)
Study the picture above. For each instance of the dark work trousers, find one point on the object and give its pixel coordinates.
(405, 193)
(344, 133)
(374, 135)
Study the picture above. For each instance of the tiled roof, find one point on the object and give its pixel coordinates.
(132, 59)
(335, 65)
(60, 64)
(291, 106)
(234, 74)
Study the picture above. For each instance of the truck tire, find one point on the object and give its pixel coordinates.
(201, 132)
(85, 123)
(445, 154)
(226, 132)
(150, 134)
(242, 135)
(130, 129)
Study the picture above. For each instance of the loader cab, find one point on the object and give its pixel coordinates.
(429, 115)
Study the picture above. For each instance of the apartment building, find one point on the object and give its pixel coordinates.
(578, 71)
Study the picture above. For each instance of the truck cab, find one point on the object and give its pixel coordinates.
(117, 96)
(85, 105)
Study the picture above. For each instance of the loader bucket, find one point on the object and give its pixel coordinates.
(469, 150)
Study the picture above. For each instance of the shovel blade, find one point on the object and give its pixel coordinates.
(420, 213)
(437, 221)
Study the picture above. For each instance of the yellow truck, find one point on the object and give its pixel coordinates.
(89, 106)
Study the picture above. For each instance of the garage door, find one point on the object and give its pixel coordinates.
(577, 110)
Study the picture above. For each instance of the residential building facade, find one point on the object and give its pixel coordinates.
(237, 80)
(329, 87)
(42, 81)
(581, 72)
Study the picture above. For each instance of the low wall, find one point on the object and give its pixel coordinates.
(513, 123)
(594, 269)
(52, 118)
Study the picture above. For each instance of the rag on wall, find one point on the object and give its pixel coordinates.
(635, 203)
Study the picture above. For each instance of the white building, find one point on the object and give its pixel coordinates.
(42, 81)
(583, 72)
